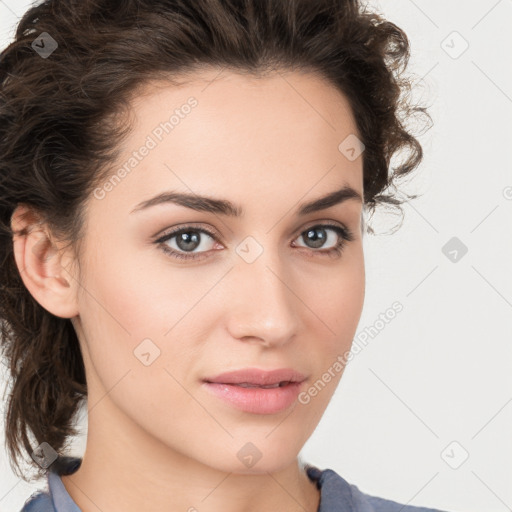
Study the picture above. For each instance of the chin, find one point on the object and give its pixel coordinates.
(254, 457)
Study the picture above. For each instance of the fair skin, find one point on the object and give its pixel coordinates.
(156, 440)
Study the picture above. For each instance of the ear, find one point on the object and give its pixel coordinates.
(40, 261)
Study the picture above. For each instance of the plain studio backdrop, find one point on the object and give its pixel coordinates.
(423, 413)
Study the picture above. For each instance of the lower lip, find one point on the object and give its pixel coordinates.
(256, 400)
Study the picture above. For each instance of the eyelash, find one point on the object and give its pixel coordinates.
(344, 233)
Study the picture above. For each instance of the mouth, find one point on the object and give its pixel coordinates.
(267, 386)
(257, 391)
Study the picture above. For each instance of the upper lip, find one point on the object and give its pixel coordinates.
(258, 377)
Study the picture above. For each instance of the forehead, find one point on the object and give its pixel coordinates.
(304, 93)
(218, 131)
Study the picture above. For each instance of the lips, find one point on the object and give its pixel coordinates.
(254, 377)
(256, 391)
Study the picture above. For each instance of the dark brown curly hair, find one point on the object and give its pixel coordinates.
(62, 118)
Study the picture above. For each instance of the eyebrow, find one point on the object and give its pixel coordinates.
(225, 207)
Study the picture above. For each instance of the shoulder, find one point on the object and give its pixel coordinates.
(336, 494)
(367, 503)
(40, 501)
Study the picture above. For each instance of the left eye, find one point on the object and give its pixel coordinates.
(318, 235)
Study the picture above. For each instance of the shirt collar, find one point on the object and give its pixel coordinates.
(62, 501)
(335, 491)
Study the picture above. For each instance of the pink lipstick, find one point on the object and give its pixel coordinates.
(255, 390)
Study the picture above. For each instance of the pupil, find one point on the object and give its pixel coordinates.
(317, 240)
(185, 241)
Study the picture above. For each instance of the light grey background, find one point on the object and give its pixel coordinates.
(434, 385)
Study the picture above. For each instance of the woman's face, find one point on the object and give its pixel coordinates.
(160, 313)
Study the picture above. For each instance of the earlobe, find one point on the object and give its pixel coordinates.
(39, 262)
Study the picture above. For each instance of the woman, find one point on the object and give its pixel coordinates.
(184, 192)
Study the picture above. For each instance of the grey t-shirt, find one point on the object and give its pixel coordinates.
(336, 494)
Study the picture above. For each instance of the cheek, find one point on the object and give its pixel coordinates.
(141, 316)
(335, 296)
(347, 294)
(336, 305)
(125, 313)
(118, 311)
(132, 296)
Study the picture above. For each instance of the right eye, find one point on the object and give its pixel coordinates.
(186, 240)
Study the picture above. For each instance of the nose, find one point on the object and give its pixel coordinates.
(262, 307)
